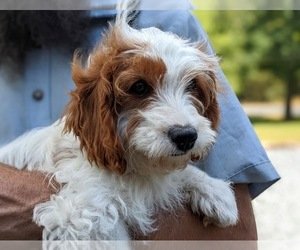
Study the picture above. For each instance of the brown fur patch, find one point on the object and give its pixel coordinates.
(133, 69)
(205, 93)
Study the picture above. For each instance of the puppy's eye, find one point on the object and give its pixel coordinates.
(191, 85)
(140, 88)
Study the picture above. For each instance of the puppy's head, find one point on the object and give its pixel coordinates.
(146, 101)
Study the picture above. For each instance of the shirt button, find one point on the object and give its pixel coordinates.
(38, 95)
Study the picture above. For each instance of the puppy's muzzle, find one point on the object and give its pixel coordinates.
(183, 137)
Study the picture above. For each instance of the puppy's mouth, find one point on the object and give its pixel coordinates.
(179, 154)
(194, 157)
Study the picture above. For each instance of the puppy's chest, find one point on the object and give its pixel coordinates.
(150, 193)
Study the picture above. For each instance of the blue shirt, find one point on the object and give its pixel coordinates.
(36, 96)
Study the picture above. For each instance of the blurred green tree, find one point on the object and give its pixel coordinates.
(261, 52)
(282, 57)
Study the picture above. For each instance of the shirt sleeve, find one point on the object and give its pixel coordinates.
(237, 155)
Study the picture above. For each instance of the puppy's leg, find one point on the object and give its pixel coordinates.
(210, 196)
(33, 150)
(69, 218)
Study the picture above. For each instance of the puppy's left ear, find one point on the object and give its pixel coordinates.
(209, 86)
(91, 115)
(209, 93)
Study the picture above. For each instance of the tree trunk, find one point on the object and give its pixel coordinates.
(288, 99)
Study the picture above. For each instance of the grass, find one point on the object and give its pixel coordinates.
(277, 132)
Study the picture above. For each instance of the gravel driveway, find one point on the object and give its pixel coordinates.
(277, 210)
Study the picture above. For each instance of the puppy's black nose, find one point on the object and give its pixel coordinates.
(183, 136)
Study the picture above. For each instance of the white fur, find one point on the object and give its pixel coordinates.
(95, 204)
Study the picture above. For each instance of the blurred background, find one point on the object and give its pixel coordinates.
(260, 51)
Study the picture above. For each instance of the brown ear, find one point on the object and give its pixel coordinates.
(209, 86)
(208, 97)
(91, 116)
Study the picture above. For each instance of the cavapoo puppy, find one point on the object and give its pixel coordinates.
(144, 106)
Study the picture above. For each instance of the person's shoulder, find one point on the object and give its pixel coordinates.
(170, 16)
(165, 5)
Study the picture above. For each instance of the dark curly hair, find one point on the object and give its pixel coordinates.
(21, 31)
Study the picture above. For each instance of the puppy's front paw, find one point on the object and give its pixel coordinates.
(217, 203)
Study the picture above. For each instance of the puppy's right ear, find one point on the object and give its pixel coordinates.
(91, 114)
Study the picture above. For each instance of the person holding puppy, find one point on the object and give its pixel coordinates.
(35, 83)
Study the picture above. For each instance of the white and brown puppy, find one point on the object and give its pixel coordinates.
(144, 106)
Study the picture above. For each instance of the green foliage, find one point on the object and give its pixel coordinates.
(260, 50)
(277, 132)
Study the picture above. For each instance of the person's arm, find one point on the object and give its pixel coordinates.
(185, 225)
(20, 191)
